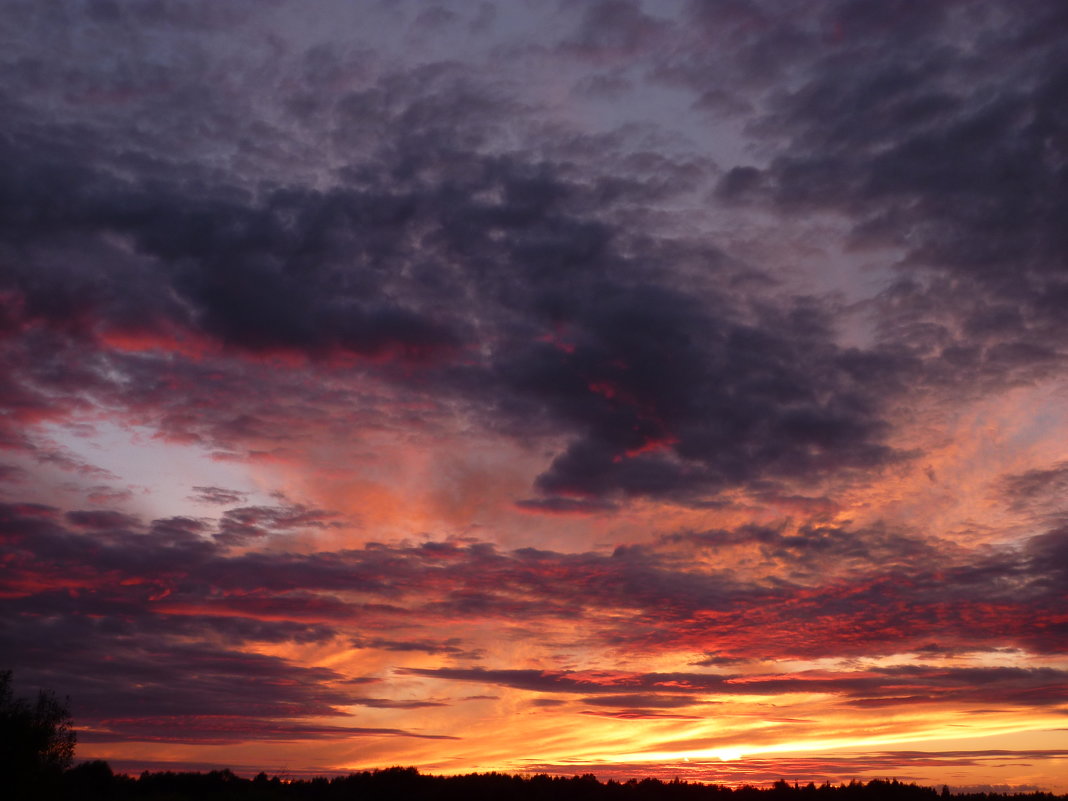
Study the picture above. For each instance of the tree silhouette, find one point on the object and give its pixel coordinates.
(36, 737)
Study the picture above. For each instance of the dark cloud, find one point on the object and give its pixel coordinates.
(895, 686)
(251, 522)
(813, 550)
(663, 386)
(638, 714)
(12, 474)
(887, 598)
(218, 495)
(677, 399)
(1033, 487)
(1049, 557)
(614, 31)
(450, 647)
(389, 703)
(222, 730)
(649, 701)
(167, 678)
(939, 152)
(102, 520)
(107, 496)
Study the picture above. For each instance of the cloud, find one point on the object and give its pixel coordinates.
(450, 647)
(638, 714)
(223, 730)
(389, 703)
(889, 599)
(12, 474)
(245, 523)
(580, 310)
(218, 495)
(650, 701)
(948, 160)
(108, 496)
(1040, 486)
(876, 687)
(662, 387)
(102, 519)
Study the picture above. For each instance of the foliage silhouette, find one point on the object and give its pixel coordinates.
(36, 741)
(95, 782)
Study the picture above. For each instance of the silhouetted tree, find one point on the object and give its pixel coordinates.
(89, 781)
(36, 739)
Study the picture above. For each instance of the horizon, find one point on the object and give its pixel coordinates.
(249, 774)
(614, 387)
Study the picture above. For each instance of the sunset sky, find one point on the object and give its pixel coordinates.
(630, 388)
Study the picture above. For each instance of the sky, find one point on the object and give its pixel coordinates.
(639, 389)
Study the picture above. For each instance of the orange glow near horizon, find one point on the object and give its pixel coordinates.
(799, 706)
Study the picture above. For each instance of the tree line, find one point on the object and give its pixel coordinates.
(94, 781)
